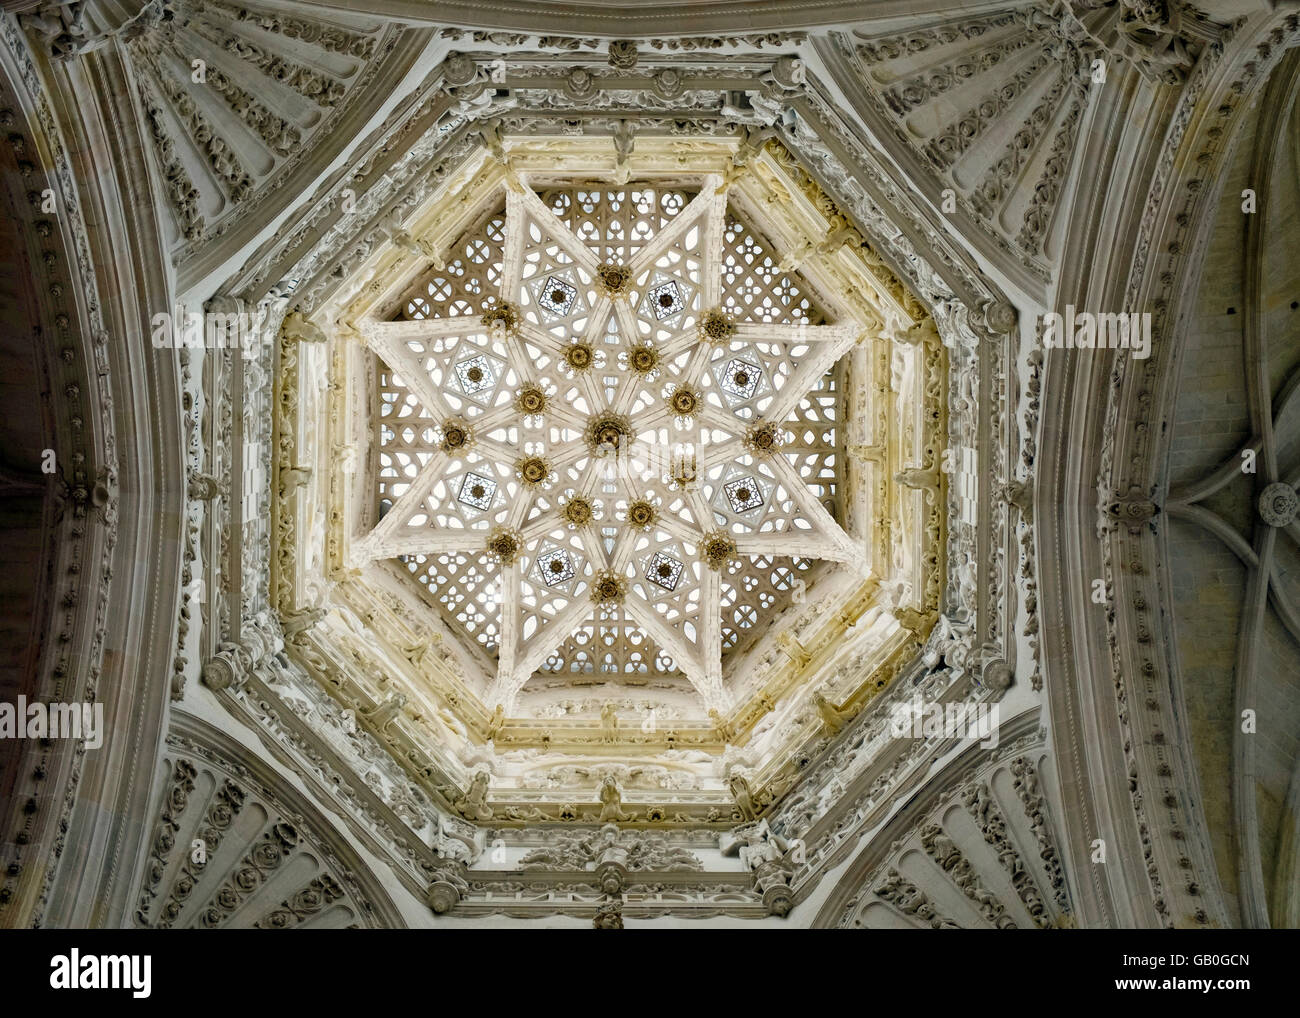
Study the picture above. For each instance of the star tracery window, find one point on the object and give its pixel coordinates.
(602, 360)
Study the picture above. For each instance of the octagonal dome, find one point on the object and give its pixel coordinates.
(611, 469)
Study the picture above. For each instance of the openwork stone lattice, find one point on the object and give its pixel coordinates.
(630, 502)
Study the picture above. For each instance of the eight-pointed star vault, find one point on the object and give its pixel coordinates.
(609, 439)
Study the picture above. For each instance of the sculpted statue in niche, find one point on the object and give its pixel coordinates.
(760, 846)
(763, 853)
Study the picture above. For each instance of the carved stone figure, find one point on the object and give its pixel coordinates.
(609, 916)
(763, 852)
(1019, 494)
(611, 800)
(473, 804)
(204, 487)
(908, 899)
(293, 478)
(447, 886)
(297, 623)
(385, 712)
(832, 717)
(299, 330)
(608, 724)
(496, 721)
(740, 791)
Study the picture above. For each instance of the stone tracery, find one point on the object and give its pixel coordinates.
(656, 405)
